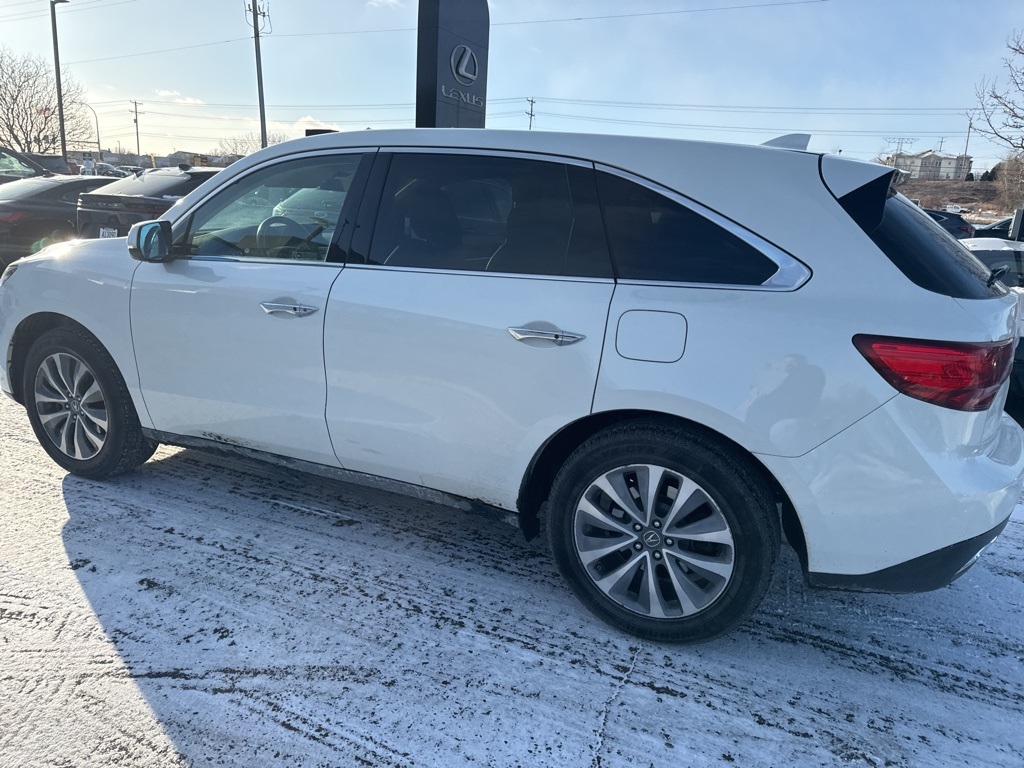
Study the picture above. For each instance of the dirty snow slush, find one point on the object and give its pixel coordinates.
(207, 611)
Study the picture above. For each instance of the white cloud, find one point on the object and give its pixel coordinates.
(178, 98)
(385, 4)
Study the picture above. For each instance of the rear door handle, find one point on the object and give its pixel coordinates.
(560, 338)
(298, 310)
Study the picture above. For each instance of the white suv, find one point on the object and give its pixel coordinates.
(670, 351)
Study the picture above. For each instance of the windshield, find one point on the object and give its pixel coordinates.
(12, 166)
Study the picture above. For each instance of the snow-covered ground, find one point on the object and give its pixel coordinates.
(211, 611)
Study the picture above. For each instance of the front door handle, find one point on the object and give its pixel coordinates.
(560, 338)
(298, 310)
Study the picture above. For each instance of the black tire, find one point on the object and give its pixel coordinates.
(694, 568)
(79, 406)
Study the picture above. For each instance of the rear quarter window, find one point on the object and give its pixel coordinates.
(654, 238)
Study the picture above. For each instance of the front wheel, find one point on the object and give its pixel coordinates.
(79, 406)
(664, 532)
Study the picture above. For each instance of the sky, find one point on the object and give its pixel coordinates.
(861, 76)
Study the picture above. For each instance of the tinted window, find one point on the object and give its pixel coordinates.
(69, 192)
(480, 213)
(288, 210)
(928, 256)
(654, 238)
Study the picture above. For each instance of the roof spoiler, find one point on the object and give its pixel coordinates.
(861, 188)
(790, 141)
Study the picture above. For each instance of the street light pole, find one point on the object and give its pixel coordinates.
(56, 66)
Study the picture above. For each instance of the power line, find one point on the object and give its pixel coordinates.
(162, 50)
(95, 6)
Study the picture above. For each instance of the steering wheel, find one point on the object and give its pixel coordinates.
(276, 236)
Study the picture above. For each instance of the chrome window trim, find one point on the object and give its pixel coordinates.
(484, 152)
(482, 273)
(790, 275)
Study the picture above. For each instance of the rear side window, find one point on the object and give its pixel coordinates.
(927, 255)
(654, 238)
(489, 214)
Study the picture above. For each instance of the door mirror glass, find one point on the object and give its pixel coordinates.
(150, 241)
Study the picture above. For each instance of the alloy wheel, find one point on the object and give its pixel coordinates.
(71, 406)
(653, 541)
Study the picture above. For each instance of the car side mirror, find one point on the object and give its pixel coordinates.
(150, 241)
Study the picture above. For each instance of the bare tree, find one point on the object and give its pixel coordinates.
(29, 119)
(1003, 107)
(247, 143)
(1002, 112)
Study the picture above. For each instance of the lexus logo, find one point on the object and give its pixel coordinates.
(652, 539)
(464, 66)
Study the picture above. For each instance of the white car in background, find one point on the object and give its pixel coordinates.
(667, 351)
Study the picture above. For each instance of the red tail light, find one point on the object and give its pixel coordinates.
(12, 216)
(964, 377)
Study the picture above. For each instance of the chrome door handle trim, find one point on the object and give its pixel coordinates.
(299, 310)
(560, 338)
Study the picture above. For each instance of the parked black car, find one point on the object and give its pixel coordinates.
(14, 166)
(111, 211)
(953, 223)
(999, 229)
(53, 163)
(35, 212)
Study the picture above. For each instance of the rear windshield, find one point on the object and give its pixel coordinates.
(928, 255)
(15, 190)
(157, 184)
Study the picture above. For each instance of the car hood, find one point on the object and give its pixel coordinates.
(93, 259)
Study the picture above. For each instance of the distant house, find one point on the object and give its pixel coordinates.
(932, 164)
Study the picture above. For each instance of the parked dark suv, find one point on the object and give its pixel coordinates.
(53, 163)
(111, 210)
(14, 166)
(953, 223)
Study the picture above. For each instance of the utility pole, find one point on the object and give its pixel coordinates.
(138, 150)
(970, 124)
(942, 140)
(530, 113)
(258, 14)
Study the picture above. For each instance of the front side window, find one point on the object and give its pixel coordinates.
(654, 238)
(289, 210)
(486, 213)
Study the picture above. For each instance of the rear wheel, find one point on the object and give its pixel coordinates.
(663, 532)
(79, 406)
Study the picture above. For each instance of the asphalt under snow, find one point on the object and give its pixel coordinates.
(206, 611)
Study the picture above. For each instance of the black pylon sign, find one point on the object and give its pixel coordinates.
(451, 63)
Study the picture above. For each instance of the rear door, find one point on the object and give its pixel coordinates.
(465, 332)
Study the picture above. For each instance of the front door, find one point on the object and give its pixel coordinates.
(229, 336)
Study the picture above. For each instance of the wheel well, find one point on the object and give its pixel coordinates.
(30, 329)
(548, 460)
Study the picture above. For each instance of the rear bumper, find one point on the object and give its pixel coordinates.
(910, 488)
(922, 574)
